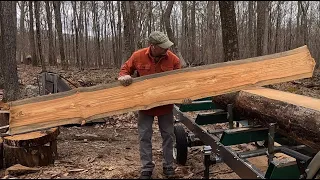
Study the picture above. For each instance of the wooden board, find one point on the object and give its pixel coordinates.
(296, 116)
(88, 103)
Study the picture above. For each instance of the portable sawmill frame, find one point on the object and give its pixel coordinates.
(217, 144)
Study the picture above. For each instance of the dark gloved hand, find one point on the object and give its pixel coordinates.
(125, 80)
(186, 101)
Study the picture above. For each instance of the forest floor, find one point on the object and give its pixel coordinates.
(110, 149)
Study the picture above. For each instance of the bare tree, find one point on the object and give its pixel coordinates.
(31, 34)
(250, 36)
(8, 29)
(304, 21)
(56, 6)
(76, 28)
(96, 30)
(127, 29)
(261, 26)
(86, 34)
(51, 53)
(279, 17)
(37, 14)
(22, 32)
(170, 34)
(119, 25)
(185, 29)
(229, 30)
(193, 32)
(81, 40)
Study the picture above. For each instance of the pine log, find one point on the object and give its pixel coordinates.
(88, 103)
(31, 149)
(295, 115)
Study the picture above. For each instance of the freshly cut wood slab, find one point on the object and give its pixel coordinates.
(88, 103)
(296, 115)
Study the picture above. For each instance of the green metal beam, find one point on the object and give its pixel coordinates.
(213, 118)
(198, 106)
(245, 135)
(288, 170)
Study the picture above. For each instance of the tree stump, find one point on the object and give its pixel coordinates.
(31, 149)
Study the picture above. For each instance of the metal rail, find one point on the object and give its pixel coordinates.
(241, 167)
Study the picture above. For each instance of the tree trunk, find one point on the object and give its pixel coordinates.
(8, 47)
(290, 30)
(209, 39)
(52, 59)
(81, 30)
(166, 19)
(34, 56)
(184, 27)
(261, 26)
(229, 30)
(135, 37)
(96, 30)
(277, 38)
(192, 46)
(56, 5)
(86, 36)
(304, 22)
(76, 27)
(22, 33)
(267, 46)
(127, 30)
(37, 15)
(113, 30)
(295, 118)
(120, 50)
(250, 37)
(149, 7)
(298, 30)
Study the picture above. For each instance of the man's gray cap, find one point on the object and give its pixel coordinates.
(160, 39)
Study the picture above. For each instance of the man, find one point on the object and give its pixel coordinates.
(154, 59)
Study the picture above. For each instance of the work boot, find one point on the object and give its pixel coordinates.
(168, 171)
(146, 175)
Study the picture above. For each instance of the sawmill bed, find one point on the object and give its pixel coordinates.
(283, 156)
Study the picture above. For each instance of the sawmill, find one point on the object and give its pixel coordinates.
(234, 92)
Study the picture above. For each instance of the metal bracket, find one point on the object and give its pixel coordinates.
(230, 115)
(270, 151)
(4, 123)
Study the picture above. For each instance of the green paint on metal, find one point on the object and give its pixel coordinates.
(204, 99)
(238, 136)
(283, 171)
(198, 106)
(219, 117)
(215, 117)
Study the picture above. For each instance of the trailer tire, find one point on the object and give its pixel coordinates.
(180, 149)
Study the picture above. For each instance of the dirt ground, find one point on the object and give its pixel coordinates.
(110, 149)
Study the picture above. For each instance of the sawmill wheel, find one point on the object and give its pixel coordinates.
(180, 147)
